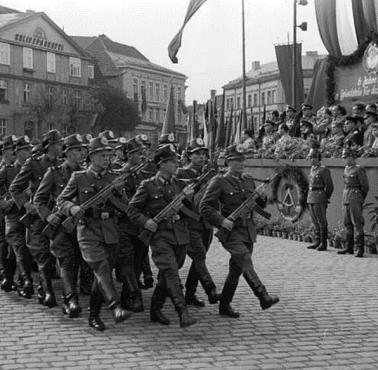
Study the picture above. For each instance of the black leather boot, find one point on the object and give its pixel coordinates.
(157, 301)
(119, 314)
(157, 315)
(95, 303)
(40, 293)
(316, 244)
(185, 318)
(27, 289)
(8, 285)
(71, 305)
(86, 278)
(49, 299)
(212, 294)
(349, 245)
(136, 302)
(267, 301)
(323, 240)
(192, 299)
(148, 282)
(225, 309)
(360, 244)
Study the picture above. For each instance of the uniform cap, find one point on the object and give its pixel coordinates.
(121, 141)
(8, 142)
(98, 144)
(165, 153)
(144, 139)
(50, 138)
(109, 135)
(133, 145)
(371, 109)
(22, 142)
(235, 152)
(167, 139)
(86, 139)
(196, 145)
(73, 141)
(289, 107)
(307, 106)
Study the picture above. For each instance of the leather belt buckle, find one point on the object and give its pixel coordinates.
(105, 215)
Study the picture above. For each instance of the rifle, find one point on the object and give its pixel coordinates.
(27, 219)
(176, 204)
(101, 197)
(248, 205)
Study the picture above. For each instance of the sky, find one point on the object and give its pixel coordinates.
(211, 51)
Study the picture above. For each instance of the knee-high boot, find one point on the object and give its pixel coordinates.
(360, 241)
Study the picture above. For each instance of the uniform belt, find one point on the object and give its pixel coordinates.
(96, 213)
(315, 188)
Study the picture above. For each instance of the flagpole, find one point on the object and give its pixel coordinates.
(244, 112)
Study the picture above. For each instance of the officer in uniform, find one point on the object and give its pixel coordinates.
(320, 191)
(64, 246)
(119, 155)
(356, 188)
(230, 190)
(97, 231)
(201, 232)
(354, 137)
(170, 238)
(7, 256)
(29, 177)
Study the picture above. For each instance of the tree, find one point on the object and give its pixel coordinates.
(115, 111)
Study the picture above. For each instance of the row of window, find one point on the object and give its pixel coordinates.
(154, 93)
(157, 115)
(267, 98)
(28, 61)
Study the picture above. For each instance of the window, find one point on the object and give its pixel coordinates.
(269, 97)
(64, 97)
(157, 90)
(65, 129)
(165, 91)
(75, 67)
(238, 102)
(90, 71)
(50, 126)
(273, 96)
(3, 126)
(4, 53)
(77, 99)
(179, 116)
(135, 87)
(150, 115)
(179, 93)
(151, 91)
(50, 96)
(157, 115)
(249, 100)
(3, 90)
(255, 100)
(27, 58)
(27, 93)
(263, 98)
(51, 65)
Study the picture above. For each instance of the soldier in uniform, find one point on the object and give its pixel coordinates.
(353, 136)
(119, 155)
(7, 256)
(201, 232)
(64, 246)
(170, 238)
(320, 191)
(356, 187)
(230, 190)
(29, 178)
(97, 230)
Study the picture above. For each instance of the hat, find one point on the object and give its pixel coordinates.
(22, 142)
(235, 152)
(289, 107)
(86, 139)
(371, 109)
(98, 144)
(50, 138)
(133, 145)
(304, 122)
(352, 118)
(307, 106)
(165, 153)
(349, 151)
(8, 142)
(359, 106)
(195, 145)
(121, 141)
(109, 135)
(144, 139)
(315, 150)
(73, 141)
(167, 138)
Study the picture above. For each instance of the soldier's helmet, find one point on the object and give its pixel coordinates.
(50, 138)
(314, 150)
(307, 106)
(108, 135)
(133, 145)
(165, 153)
(8, 142)
(72, 142)
(235, 152)
(98, 144)
(86, 139)
(195, 145)
(371, 110)
(22, 142)
(121, 142)
(167, 139)
(144, 139)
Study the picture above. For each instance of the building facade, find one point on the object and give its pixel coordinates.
(142, 81)
(264, 90)
(44, 77)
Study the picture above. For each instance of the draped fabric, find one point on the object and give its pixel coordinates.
(369, 16)
(169, 119)
(361, 25)
(345, 27)
(317, 95)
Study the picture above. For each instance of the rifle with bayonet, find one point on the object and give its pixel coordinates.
(247, 206)
(101, 197)
(177, 203)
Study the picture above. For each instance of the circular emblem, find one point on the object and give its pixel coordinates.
(14, 137)
(104, 141)
(26, 139)
(79, 138)
(239, 148)
(144, 137)
(122, 140)
(199, 141)
(111, 134)
(370, 58)
(171, 138)
(88, 137)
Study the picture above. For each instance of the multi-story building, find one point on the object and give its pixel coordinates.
(264, 90)
(43, 76)
(142, 81)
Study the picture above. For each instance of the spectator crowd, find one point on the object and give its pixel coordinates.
(290, 134)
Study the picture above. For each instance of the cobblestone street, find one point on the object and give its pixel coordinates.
(327, 318)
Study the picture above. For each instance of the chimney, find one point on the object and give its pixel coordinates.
(29, 11)
(312, 53)
(256, 65)
(213, 92)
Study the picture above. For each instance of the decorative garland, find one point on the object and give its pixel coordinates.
(344, 60)
(290, 172)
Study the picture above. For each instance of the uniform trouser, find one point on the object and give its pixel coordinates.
(66, 249)
(15, 234)
(240, 263)
(199, 245)
(146, 267)
(168, 257)
(353, 221)
(318, 213)
(7, 256)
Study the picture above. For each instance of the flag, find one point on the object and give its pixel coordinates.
(175, 44)
(252, 123)
(229, 128)
(196, 133)
(221, 132)
(238, 129)
(205, 128)
(169, 119)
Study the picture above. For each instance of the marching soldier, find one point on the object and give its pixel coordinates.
(97, 231)
(231, 189)
(7, 256)
(201, 232)
(64, 246)
(320, 191)
(356, 188)
(170, 238)
(119, 155)
(29, 177)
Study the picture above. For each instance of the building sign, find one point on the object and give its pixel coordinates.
(39, 39)
(358, 81)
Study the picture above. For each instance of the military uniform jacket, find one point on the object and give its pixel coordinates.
(230, 193)
(100, 223)
(356, 185)
(52, 184)
(355, 137)
(190, 173)
(152, 196)
(7, 173)
(320, 186)
(28, 178)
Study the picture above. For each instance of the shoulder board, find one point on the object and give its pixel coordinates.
(9, 165)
